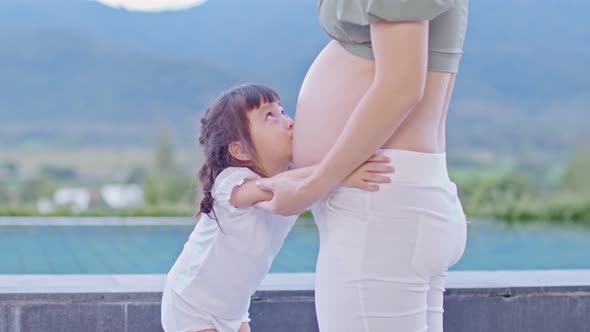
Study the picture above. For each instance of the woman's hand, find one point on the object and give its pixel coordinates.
(293, 195)
(368, 173)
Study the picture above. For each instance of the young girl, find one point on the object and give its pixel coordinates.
(246, 134)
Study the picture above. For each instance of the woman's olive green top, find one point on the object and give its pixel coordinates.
(347, 21)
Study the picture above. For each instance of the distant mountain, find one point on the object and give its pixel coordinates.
(524, 76)
(59, 74)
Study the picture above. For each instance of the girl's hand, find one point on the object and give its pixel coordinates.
(370, 172)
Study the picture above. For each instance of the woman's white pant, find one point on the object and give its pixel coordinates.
(384, 255)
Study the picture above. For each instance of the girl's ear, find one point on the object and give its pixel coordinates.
(239, 151)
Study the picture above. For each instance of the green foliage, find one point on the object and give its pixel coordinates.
(501, 191)
(165, 160)
(167, 184)
(151, 192)
(5, 197)
(485, 195)
(58, 173)
(137, 175)
(159, 211)
(576, 177)
(33, 189)
(516, 197)
(169, 189)
(9, 169)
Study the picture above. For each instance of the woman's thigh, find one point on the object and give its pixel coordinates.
(374, 267)
(365, 279)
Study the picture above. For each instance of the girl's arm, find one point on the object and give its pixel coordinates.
(248, 193)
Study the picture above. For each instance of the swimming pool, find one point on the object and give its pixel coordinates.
(125, 249)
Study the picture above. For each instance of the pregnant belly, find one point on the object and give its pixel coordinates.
(333, 86)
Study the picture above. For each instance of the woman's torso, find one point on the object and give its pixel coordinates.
(332, 88)
(344, 71)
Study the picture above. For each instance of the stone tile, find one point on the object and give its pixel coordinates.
(489, 302)
(567, 312)
(144, 318)
(294, 314)
(8, 316)
(72, 317)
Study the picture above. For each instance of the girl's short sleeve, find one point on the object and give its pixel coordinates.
(365, 12)
(225, 183)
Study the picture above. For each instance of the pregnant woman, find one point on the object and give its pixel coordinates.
(382, 85)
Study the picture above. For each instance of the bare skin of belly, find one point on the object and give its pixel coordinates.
(333, 86)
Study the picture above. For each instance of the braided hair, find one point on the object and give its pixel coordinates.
(224, 122)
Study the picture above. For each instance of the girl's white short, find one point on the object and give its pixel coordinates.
(178, 315)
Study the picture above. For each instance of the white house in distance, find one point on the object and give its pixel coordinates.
(45, 205)
(118, 196)
(78, 199)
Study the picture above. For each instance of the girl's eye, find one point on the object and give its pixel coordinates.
(270, 114)
(283, 112)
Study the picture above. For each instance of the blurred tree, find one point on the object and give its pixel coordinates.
(58, 172)
(33, 189)
(576, 176)
(490, 194)
(178, 188)
(165, 162)
(151, 192)
(5, 197)
(9, 170)
(137, 174)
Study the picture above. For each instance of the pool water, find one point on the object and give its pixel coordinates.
(153, 249)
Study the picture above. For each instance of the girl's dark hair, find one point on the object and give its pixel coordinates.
(224, 122)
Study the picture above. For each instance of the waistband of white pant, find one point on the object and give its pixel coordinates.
(417, 167)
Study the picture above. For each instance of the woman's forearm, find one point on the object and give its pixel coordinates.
(373, 121)
(299, 172)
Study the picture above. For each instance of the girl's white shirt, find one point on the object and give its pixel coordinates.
(221, 267)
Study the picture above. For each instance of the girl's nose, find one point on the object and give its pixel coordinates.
(290, 124)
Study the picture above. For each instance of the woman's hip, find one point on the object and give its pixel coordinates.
(414, 224)
(406, 244)
(420, 185)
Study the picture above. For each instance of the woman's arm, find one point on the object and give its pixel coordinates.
(401, 55)
(364, 177)
(299, 172)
